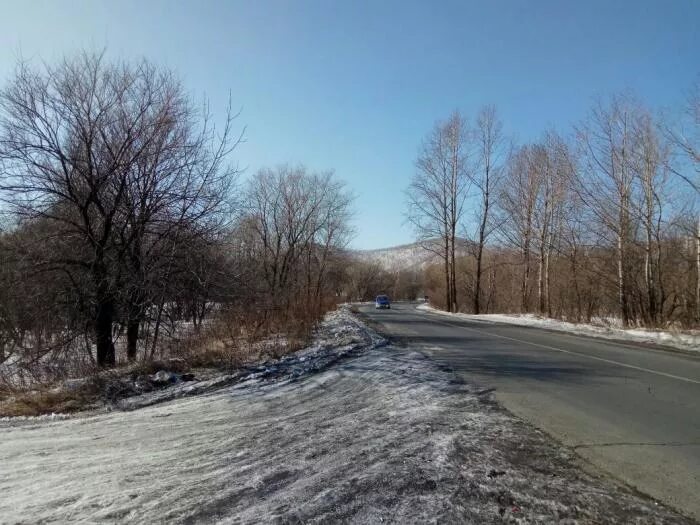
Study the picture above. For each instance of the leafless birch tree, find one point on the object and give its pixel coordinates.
(437, 194)
(485, 176)
(606, 182)
(685, 136)
(517, 203)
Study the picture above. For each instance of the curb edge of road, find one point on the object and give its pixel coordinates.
(634, 345)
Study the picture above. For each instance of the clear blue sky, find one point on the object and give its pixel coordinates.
(355, 85)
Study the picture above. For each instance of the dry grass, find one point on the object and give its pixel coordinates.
(235, 338)
(242, 336)
(50, 401)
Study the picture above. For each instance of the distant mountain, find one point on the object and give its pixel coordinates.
(412, 256)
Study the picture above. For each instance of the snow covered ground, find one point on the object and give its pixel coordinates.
(352, 430)
(680, 340)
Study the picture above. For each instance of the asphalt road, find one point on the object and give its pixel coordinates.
(631, 411)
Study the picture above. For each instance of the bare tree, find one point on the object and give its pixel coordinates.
(649, 162)
(366, 280)
(685, 135)
(178, 192)
(437, 194)
(109, 155)
(531, 203)
(596, 229)
(606, 182)
(517, 203)
(552, 162)
(485, 177)
(298, 222)
(686, 139)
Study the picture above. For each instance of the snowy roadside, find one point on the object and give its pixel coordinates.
(689, 341)
(351, 431)
(339, 335)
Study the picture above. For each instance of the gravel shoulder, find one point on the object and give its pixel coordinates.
(354, 430)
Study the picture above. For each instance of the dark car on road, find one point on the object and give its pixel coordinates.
(382, 301)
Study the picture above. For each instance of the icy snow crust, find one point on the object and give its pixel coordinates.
(351, 431)
(689, 341)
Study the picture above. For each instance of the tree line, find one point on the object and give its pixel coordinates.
(601, 222)
(125, 221)
(126, 224)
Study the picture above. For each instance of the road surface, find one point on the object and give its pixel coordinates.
(632, 411)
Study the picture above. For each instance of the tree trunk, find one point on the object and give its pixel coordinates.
(547, 258)
(103, 332)
(540, 281)
(448, 287)
(132, 337)
(547, 302)
(156, 330)
(649, 271)
(482, 242)
(577, 289)
(477, 286)
(697, 272)
(455, 306)
(649, 260)
(621, 285)
(135, 316)
(524, 291)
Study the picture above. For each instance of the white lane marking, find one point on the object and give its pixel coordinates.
(556, 349)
